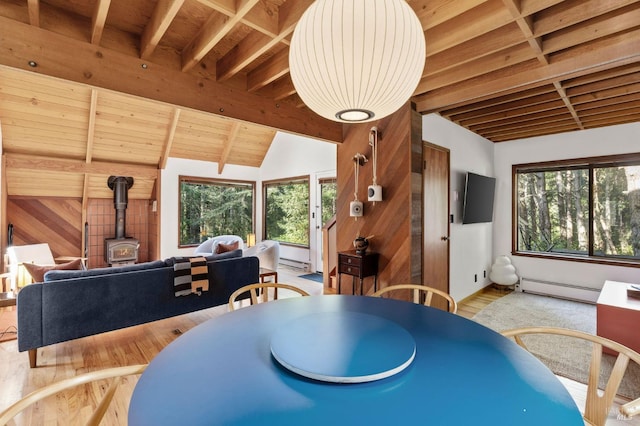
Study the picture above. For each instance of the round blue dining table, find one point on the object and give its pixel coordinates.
(457, 372)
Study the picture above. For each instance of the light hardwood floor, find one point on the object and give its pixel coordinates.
(133, 345)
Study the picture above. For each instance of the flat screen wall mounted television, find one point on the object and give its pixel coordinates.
(479, 192)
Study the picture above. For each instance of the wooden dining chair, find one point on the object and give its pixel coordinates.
(262, 289)
(422, 294)
(115, 373)
(598, 404)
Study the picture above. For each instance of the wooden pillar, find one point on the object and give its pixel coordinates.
(396, 221)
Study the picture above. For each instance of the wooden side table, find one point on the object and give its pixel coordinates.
(358, 266)
(264, 272)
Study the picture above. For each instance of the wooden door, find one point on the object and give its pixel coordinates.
(435, 196)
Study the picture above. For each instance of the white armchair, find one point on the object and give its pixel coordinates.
(267, 252)
(32, 253)
(210, 246)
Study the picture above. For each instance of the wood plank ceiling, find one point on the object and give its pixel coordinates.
(121, 85)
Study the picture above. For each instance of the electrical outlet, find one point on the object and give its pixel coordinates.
(475, 278)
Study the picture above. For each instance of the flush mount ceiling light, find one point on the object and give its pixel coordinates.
(357, 60)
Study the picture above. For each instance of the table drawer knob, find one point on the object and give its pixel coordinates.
(348, 260)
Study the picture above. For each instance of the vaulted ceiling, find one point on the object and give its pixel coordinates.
(87, 84)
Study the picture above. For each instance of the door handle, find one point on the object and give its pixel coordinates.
(445, 238)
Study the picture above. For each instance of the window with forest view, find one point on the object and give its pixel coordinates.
(328, 195)
(584, 208)
(210, 207)
(286, 207)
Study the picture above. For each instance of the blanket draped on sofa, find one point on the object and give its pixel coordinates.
(190, 276)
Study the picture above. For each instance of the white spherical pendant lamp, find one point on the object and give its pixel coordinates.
(357, 60)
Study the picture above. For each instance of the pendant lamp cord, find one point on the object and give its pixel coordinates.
(356, 172)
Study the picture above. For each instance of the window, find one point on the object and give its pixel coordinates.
(286, 206)
(582, 209)
(328, 196)
(210, 207)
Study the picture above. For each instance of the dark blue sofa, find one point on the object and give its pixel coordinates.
(83, 303)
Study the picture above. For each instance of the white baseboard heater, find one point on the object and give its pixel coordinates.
(560, 290)
(296, 263)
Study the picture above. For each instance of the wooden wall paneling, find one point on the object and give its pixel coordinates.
(55, 221)
(395, 221)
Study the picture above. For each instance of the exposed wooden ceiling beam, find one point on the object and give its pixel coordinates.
(171, 132)
(269, 71)
(34, 12)
(492, 42)
(214, 30)
(70, 59)
(567, 102)
(227, 7)
(255, 45)
(486, 17)
(598, 56)
(572, 12)
(228, 144)
(163, 14)
(480, 66)
(595, 28)
(34, 162)
(100, 11)
(263, 17)
(435, 12)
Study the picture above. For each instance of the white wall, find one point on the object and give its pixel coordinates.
(587, 143)
(288, 156)
(292, 155)
(471, 245)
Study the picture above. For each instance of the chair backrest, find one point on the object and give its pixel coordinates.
(262, 289)
(598, 404)
(115, 373)
(422, 294)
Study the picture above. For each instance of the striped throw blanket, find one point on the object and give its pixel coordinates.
(190, 276)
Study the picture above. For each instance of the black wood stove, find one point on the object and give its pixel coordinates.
(121, 250)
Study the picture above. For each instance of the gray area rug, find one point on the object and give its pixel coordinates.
(564, 356)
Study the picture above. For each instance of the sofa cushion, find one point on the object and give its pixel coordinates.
(227, 255)
(38, 271)
(63, 275)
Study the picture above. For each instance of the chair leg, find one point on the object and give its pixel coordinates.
(33, 358)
